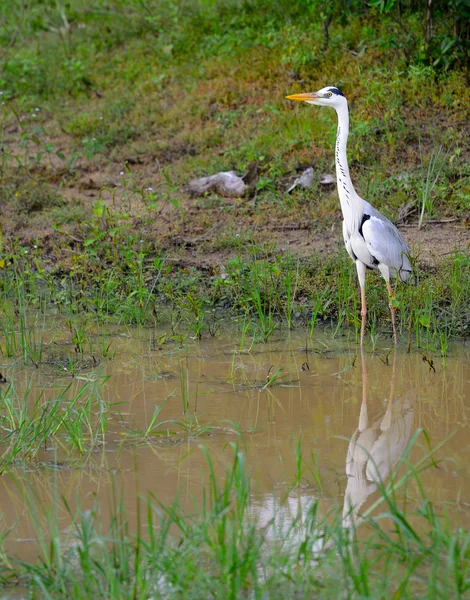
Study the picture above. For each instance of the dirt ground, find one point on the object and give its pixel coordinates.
(205, 237)
(433, 242)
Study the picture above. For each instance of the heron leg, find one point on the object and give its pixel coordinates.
(392, 312)
(361, 274)
(363, 314)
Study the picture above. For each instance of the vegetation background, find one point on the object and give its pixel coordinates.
(108, 109)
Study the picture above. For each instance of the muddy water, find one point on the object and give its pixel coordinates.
(338, 401)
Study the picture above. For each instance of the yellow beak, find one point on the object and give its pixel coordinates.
(302, 97)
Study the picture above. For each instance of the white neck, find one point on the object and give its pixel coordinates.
(351, 207)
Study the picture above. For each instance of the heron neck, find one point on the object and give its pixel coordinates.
(346, 191)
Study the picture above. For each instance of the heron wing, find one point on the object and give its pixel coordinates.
(385, 242)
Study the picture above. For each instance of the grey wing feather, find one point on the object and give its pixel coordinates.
(385, 242)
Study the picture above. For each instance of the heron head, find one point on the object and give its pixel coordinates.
(327, 96)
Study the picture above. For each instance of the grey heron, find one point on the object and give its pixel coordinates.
(371, 240)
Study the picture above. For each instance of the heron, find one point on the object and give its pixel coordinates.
(371, 240)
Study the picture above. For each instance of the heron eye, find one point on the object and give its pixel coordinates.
(329, 94)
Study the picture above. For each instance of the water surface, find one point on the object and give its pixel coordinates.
(354, 415)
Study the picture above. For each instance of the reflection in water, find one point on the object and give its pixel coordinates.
(223, 386)
(376, 446)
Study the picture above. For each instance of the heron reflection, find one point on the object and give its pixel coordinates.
(376, 446)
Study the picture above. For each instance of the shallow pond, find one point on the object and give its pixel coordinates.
(354, 416)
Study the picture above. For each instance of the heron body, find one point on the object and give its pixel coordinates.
(371, 240)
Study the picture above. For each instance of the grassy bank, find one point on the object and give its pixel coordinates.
(114, 275)
(108, 111)
(192, 89)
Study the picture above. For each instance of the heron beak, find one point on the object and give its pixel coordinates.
(303, 97)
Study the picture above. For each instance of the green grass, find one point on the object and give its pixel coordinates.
(220, 548)
(134, 99)
(115, 276)
(202, 85)
(219, 545)
(71, 417)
